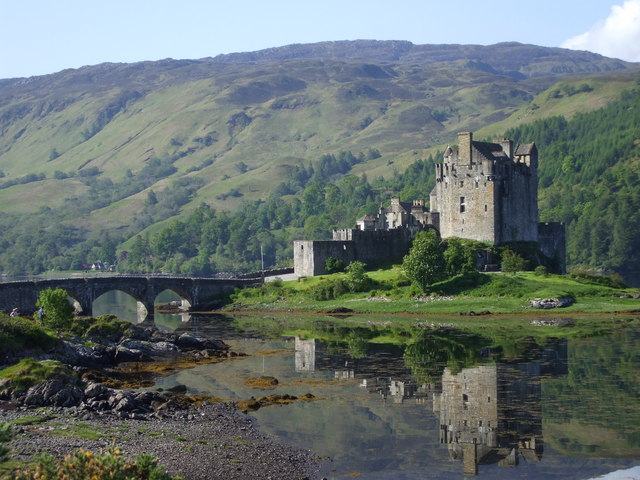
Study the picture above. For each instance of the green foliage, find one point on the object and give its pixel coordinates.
(328, 289)
(17, 333)
(431, 351)
(459, 256)
(589, 178)
(357, 279)
(28, 372)
(541, 270)
(333, 265)
(108, 327)
(85, 465)
(58, 311)
(584, 276)
(425, 263)
(5, 436)
(511, 262)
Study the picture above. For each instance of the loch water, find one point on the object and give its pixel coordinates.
(442, 404)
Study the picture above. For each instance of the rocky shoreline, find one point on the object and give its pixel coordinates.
(193, 438)
(212, 441)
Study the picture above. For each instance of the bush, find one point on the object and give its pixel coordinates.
(333, 265)
(57, 309)
(357, 279)
(328, 289)
(511, 262)
(541, 271)
(83, 465)
(17, 333)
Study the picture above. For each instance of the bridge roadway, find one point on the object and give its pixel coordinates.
(196, 293)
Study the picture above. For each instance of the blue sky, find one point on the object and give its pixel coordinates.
(44, 36)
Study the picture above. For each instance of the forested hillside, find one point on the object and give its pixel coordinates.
(590, 179)
(193, 166)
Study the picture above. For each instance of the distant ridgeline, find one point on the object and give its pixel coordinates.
(484, 191)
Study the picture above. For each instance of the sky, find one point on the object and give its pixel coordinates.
(38, 37)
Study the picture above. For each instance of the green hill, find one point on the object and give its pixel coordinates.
(89, 158)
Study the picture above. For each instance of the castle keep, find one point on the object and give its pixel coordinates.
(484, 191)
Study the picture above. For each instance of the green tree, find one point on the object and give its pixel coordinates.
(458, 257)
(357, 279)
(511, 262)
(425, 263)
(57, 309)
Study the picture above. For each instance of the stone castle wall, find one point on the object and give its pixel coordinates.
(348, 245)
(553, 243)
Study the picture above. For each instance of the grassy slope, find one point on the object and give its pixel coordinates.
(287, 124)
(502, 294)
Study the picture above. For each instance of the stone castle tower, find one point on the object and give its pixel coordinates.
(487, 191)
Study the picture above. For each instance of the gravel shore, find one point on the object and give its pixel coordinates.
(210, 442)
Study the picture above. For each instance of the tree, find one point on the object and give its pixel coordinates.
(459, 257)
(512, 262)
(425, 263)
(357, 279)
(57, 309)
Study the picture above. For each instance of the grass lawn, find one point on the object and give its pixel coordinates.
(493, 292)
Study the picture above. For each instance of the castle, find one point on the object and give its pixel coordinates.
(484, 191)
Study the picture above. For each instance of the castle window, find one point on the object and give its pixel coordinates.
(477, 184)
(463, 205)
(485, 208)
(461, 183)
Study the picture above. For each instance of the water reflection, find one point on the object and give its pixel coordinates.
(488, 414)
(492, 413)
(435, 403)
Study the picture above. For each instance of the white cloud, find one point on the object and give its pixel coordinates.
(618, 36)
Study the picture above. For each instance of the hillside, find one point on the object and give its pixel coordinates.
(115, 149)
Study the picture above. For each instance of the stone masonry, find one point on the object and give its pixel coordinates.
(485, 191)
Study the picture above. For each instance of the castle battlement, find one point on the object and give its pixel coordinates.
(485, 191)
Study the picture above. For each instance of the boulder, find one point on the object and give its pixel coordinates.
(56, 392)
(548, 303)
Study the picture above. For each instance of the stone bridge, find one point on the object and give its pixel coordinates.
(196, 293)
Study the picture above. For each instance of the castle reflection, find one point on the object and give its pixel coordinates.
(488, 414)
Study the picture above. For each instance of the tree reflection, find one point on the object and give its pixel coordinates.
(433, 350)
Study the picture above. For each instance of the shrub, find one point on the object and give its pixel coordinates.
(333, 265)
(357, 279)
(541, 271)
(57, 309)
(17, 333)
(328, 289)
(511, 262)
(83, 464)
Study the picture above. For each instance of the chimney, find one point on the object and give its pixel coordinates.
(464, 147)
(507, 146)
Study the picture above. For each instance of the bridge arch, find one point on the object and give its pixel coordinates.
(198, 293)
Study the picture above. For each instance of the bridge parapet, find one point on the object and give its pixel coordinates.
(200, 293)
